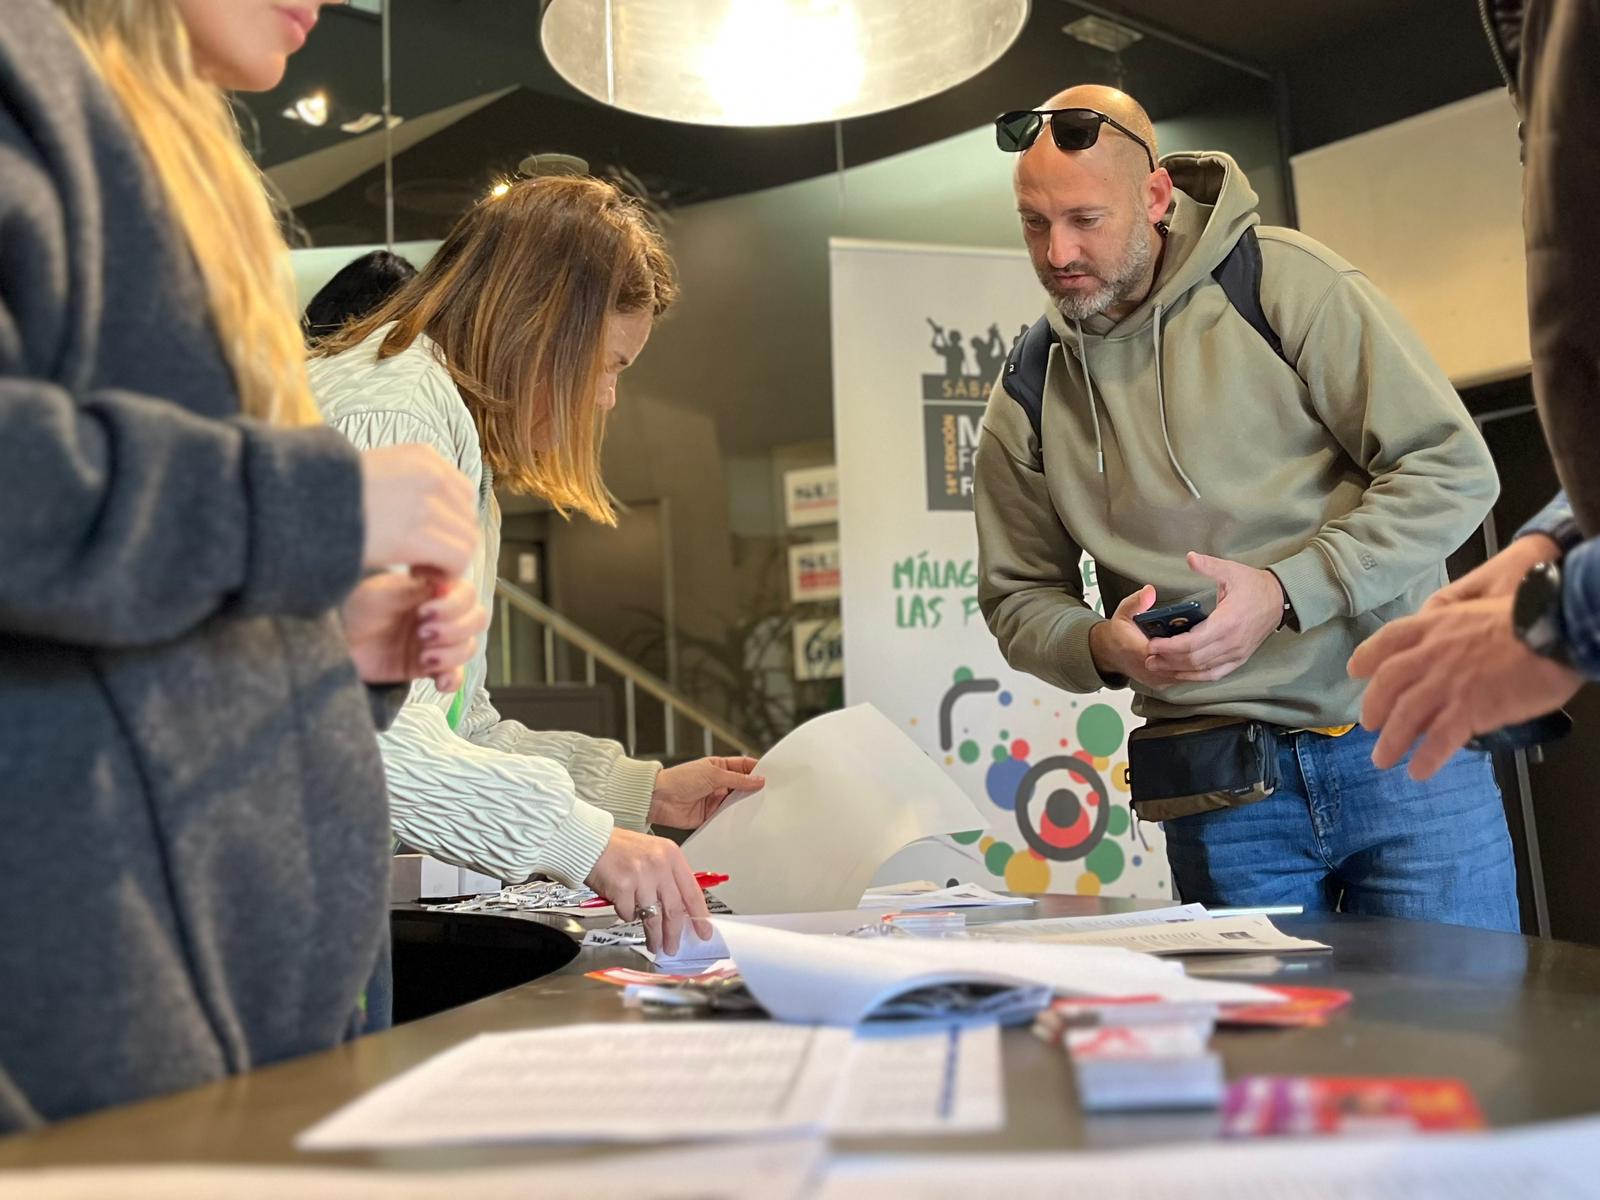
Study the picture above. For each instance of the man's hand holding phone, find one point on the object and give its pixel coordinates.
(1181, 643)
(1170, 620)
(1121, 648)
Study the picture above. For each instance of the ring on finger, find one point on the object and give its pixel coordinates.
(648, 911)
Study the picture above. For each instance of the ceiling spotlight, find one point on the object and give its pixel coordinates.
(1102, 34)
(773, 62)
(311, 109)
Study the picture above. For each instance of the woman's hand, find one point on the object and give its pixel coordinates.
(648, 877)
(404, 627)
(419, 510)
(689, 795)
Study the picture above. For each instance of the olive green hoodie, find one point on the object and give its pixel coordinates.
(1351, 475)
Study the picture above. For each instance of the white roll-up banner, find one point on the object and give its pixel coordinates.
(920, 334)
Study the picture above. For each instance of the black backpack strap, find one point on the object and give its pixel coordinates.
(1026, 365)
(1240, 276)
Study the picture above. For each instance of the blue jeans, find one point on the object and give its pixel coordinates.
(1341, 835)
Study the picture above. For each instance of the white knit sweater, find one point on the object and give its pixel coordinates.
(492, 795)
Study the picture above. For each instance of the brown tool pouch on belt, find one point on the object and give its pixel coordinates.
(1179, 768)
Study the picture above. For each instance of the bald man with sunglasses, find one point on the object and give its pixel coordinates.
(1220, 412)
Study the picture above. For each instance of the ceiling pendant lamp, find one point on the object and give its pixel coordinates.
(773, 62)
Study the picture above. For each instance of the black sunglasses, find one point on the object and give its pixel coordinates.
(1070, 128)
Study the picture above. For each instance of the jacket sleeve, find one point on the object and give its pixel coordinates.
(1391, 409)
(1029, 584)
(1580, 607)
(1561, 193)
(1554, 520)
(507, 814)
(601, 771)
(130, 520)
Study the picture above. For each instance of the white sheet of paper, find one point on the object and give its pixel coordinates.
(616, 1083)
(963, 895)
(784, 1169)
(697, 954)
(1220, 935)
(944, 1081)
(841, 980)
(844, 792)
(1552, 1163)
(1029, 931)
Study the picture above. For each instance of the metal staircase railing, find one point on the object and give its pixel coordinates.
(635, 679)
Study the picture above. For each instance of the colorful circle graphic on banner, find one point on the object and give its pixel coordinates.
(1071, 814)
(1100, 730)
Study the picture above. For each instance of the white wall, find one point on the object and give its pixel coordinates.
(1431, 209)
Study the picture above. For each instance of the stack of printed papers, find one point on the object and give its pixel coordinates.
(1219, 935)
(700, 1080)
(844, 980)
(775, 1169)
(1540, 1162)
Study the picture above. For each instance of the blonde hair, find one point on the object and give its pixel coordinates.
(516, 298)
(216, 194)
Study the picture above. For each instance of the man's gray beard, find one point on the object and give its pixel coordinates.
(1075, 306)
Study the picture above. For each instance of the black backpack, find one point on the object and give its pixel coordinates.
(1240, 276)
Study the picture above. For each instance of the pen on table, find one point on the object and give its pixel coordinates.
(1264, 910)
(705, 879)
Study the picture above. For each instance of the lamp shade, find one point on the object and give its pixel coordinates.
(773, 62)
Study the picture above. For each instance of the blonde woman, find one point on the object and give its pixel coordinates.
(503, 354)
(191, 799)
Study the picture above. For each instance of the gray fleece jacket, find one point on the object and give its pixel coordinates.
(193, 833)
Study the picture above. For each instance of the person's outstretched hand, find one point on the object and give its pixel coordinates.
(1501, 575)
(1442, 677)
(689, 795)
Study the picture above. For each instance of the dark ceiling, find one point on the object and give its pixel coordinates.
(1271, 33)
(1345, 62)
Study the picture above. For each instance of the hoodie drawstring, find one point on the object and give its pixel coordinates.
(1094, 408)
(1161, 400)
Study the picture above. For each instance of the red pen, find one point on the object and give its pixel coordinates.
(704, 878)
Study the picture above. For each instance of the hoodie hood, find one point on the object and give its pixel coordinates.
(1212, 204)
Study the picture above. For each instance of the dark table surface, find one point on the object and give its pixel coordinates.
(1517, 1018)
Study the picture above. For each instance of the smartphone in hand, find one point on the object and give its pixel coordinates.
(1170, 619)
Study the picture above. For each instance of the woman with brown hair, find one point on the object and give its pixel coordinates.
(503, 354)
(191, 798)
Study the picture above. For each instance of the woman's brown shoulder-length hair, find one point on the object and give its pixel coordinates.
(517, 298)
